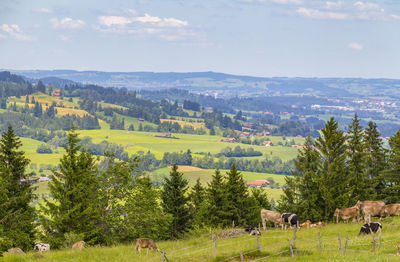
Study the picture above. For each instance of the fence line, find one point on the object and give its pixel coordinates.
(258, 259)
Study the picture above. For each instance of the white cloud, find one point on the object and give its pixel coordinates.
(366, 6)
(395, 17)
(15, 32)
(64, 38)
(2, 36)
(168, 29)
(333, 5)
(355, 46)
(317, 14)
(67, 23)
(43, 11)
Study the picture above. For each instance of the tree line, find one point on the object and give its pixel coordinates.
(338, 169)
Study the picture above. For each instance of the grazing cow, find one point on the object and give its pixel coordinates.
(306, 224)
(145, 243)
(370, 208)
(79, 245)
(390, 210)
(370, 228)
(253, 231)
(271, 216)
(41, 247)
(290, 219)
(16, 250)
(347, 213)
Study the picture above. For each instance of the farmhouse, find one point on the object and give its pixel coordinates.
(268, 143)
(57, 92)
(164, 135)
(258, 183)
(228, 140)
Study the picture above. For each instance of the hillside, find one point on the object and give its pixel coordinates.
(274, 246)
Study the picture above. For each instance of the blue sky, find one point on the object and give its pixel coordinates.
(308, 38)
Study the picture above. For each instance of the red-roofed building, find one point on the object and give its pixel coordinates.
(258, 183)
(57, 92)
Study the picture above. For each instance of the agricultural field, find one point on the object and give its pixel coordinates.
(273, 243)
(182, 123)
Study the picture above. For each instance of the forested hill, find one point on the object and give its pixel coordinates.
(228, 85)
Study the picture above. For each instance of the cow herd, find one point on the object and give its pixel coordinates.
(361, 211)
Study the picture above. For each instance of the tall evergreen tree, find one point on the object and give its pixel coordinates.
(73, 208)
(375, 157)
(16, 215)
(239, 204)
(175, 202)
(196, 197)
(356, 162)
(391, 177)
(335, 181)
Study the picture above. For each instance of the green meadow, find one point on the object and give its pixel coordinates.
(273, 243)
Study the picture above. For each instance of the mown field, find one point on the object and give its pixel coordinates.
(274, 246)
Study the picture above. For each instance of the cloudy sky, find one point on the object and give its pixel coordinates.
(344, 38)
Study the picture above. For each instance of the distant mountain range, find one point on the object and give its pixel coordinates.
(222, 85)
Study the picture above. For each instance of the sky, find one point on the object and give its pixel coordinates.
(294, 38)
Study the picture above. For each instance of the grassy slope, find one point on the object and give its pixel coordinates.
(198, 247)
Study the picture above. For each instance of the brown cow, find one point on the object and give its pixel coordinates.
(347, 213)
(145, 243)
(79, 245)
(370, 208)
(306, 224)
(390, 210)
(272, 216)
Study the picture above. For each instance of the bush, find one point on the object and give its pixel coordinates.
(44, 149)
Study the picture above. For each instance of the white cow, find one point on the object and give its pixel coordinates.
(41, 247)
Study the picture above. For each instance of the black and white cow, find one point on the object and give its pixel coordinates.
(42, 247)
(369, 228)
(253, 230)
(291, 219)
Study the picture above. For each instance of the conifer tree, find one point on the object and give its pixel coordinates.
(16, 215)
(391, 177)
(375, 157)
(175, 202)
(240, 205)
(356, 162)
(74, 207)
(334, 185)
(196, 197)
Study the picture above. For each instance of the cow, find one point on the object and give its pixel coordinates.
(253, 230)
(290, 219)
(16, 250)
(370, 228)
(271, 216)
(390, 210)
(306, 224)
(145, 243)
(79, 245)
(317, 225)
(370, 208)
(347, 213)
(41, 247)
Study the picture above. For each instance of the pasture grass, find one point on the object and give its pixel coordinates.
(274, 246)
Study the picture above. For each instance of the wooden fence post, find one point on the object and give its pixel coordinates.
(294, 236)
(258, 243)
(369, 219)
(373, 244)
(213, 245)
(291, 248)
(379, 241)
(345, 246)
(241, 257)
(340, 244)
(319, 242)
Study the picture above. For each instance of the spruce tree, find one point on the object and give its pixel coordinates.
(391, 177)
(238, 200)
(74, 207)
(335, 183)
(196, 197)
(175, 202)
(16, 216)
(375, 157)
(356, 162)
(214, 208)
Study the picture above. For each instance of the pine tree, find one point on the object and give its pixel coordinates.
(391, 177)
(175, 202)
(238, 199)
(375, 157)
(16, 215)
(196, 197)
(335, 181)
(74, 207)
(356, 162)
